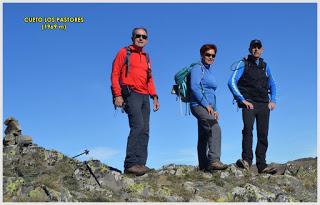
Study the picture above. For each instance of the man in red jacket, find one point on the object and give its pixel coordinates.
(132, 84)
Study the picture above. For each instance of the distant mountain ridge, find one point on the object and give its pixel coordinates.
(34, 174)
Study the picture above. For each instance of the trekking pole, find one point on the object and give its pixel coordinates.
(91, 172)
(122, 108)
(85, 152)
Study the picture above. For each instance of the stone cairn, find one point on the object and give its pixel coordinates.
(13, 134)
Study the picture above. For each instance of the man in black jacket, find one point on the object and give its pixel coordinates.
(250, 85)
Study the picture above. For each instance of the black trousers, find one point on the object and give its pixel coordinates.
(138, 109)
(261, 114)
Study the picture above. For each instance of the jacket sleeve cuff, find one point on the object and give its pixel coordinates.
(204, 103)
(154, 96)
(241, 99)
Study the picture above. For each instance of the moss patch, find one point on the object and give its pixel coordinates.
(38, 194)
(14, 185)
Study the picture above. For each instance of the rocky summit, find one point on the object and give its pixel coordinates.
(34, 174)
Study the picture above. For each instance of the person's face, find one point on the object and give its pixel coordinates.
(140, 38)
(209, 56)
(256, 51)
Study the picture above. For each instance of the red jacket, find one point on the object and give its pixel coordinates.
(137, 75)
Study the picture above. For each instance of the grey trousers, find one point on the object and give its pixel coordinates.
(209, 137)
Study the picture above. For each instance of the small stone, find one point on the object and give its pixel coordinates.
(206, 175)
(224, 175)
(179, 172)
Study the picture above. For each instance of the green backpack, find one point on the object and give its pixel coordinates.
(182, 87)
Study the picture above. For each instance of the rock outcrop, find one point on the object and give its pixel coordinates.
(13, 133)
(33, 174)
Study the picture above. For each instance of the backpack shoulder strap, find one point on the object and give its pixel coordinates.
(149, 67)
(194, 64)
(127, 59)
(148, 58)
(127, 62)
(201, 85)
(263, 65)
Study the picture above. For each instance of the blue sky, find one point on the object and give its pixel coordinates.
(57, 83)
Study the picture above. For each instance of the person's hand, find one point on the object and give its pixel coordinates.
(210, 110)
(156, 104)
(271, 105)
(215, 115)
(118, 102)
(247, 104)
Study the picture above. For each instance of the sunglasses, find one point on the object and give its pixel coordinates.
(210, 55)
(256, 46)
(139, 36)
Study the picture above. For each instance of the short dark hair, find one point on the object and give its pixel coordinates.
(137, 28)
(207, 47)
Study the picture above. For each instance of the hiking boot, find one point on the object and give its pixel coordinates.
(136, 170)
(268, 170)
(145, 168)
(243, 164)
(218, 166)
